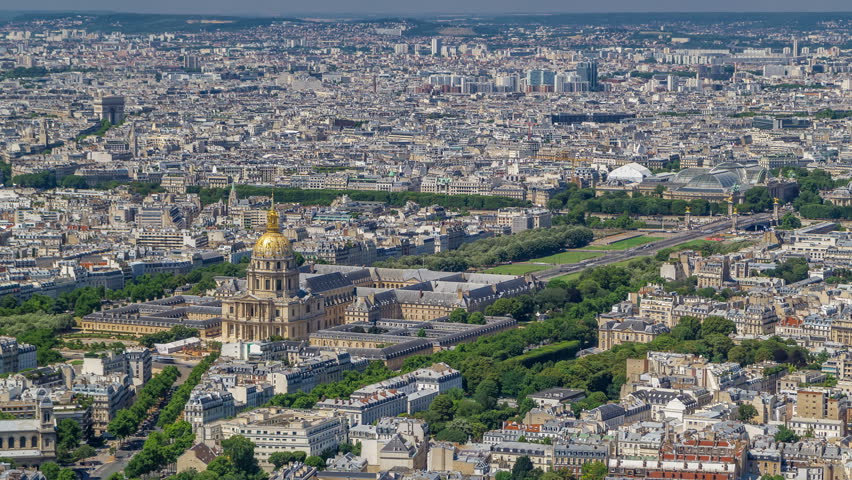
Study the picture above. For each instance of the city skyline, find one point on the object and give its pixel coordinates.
(388, 7)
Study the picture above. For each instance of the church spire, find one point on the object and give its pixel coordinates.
(272, 217)
(272, 221)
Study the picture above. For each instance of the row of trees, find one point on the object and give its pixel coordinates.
(149, 287)
(491, 251)
(39, 330)
(68, 437)
(524, 470)
(579, 201)
(237, 462)
(174, 408)
(163, 448)
(461, 315)
(42, 180)
(825, 210)
(809, 203)
(127, 420)
(38, 320)
(178, 332)
(394, 199)
(80, 301)
(85, 300)
(160, 449)
(792, 270)
(52, 471)
(375, 372)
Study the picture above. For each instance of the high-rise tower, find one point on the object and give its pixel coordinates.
(588, 72)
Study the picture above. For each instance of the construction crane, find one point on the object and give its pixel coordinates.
(564, 157)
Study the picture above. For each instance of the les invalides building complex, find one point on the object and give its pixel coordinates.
(332, 305)
(273, 303)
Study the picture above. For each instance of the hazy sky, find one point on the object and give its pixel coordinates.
(291, 7)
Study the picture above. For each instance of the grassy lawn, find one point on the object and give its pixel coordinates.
(693, 244)
(624, 244)
(517, 269)
(538, 264)
(571, 256)
(576, 275)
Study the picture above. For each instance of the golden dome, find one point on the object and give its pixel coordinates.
(272, 244)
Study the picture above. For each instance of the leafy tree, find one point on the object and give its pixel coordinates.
(316, 462)
(720, 325)
(792, 270)
(452, 435)
(66, 474)
(790, 222)
(688, 328)
(127, 420)
(279, 459)
(486, 393)
(785, 435)
(73, 181)
(84, 451)
(42, 180)
(350, 448)
(523, 466)
(50, 470)
(240, 451)
(458, 315)
(68, 434)
(178, 332)
(747, 412)
(520, 308)
(443, 407)
(593, 471)
(173, 409)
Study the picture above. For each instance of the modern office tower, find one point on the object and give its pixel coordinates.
(506, 83)
(588, 72)
(191, 63)
(436, 47)
(795, 47)
(541, 80)
(110, 108)
(400, 49)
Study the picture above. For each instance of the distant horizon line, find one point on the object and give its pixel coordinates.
(409, 14)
